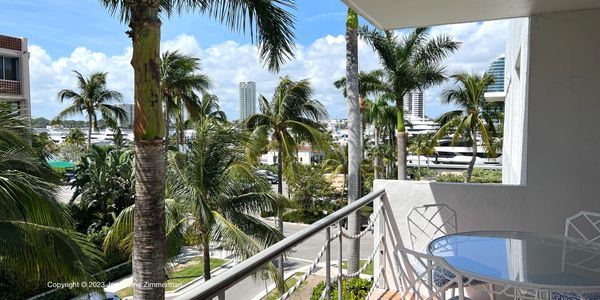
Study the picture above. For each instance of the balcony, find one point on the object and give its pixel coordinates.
(10, 87)
(550, 165)
(11, 43)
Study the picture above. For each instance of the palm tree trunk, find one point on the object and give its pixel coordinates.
(281, 279)
(206, 258)
(89, 137)
(401, 141)
(167, 124)
(354, 136)
(149, 217)
(377, 162)
(473, 158)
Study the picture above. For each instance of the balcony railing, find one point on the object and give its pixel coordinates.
(12, 43)
(12, 87)
(217, 286)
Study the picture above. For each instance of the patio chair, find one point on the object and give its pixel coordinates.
(428, 222)
(427, 277)
(585, 227)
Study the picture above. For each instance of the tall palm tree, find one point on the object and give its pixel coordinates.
(382, 116)
(290, 119)
(272, 26)
(472, 119)
(75, 137)
(37, 241)
(355, 149)
(410, 63)
(179, 80)
(91, 98)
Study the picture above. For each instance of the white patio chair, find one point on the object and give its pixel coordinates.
(428, 222)
(427, 277)
(585, 227)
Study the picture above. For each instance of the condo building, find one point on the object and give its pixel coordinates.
(14, 74)
(247, 102)
(413, 104)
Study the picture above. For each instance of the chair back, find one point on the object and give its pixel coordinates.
(584, 225)
(426, 277)
(429, 222)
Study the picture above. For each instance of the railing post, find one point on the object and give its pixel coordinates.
(328, 263)
(340, 272)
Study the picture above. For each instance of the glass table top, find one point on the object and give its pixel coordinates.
(529, 258)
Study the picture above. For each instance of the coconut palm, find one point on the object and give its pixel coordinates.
(410, 63)
(179, 80)
(208, 109)
(91, 98)
(268, 22)
(75, 137)
(37, 242)
(219, 192)
(383, 118)
(290, 119)
(472, 119)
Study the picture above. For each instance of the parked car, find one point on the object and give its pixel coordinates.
(268, 175)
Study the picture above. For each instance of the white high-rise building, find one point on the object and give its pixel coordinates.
(247, 99)
(413, 104)
(130, 111)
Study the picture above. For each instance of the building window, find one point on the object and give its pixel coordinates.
(9, 68)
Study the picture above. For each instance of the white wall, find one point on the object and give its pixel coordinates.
(560, 144)
(515, 116)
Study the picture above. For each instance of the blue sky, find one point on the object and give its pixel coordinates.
(65, 35)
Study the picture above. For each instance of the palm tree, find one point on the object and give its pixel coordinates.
(92, 98)
(37, 241)
(472, 119)
(75, 137)
(290, 119)
(179, 79)
(355, 149)
(272, 26)
(214, 193)
(409, 63)
(336, 162)
(422, 144)
(383, 118)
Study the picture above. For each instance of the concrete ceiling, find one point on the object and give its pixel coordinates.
(394, 14)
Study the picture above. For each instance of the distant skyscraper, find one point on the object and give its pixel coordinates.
(496, 69)
(247, 99)
(129, 110)
(413, 104)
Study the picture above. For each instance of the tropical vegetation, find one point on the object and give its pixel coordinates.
(91, 98)
(472, 120)
(269, 22)
(410, 62)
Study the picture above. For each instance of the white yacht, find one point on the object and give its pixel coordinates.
(445, 153)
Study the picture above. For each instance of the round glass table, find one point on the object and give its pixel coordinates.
(525, 260)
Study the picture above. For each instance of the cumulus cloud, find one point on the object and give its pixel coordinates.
(228, 63)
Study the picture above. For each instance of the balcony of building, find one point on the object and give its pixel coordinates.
(550, 170)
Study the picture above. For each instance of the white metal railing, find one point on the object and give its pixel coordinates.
(218, 285)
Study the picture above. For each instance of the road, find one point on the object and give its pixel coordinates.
(300, 256)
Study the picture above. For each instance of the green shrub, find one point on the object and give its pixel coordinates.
(303, 216)
(352, 289)
(479, 176)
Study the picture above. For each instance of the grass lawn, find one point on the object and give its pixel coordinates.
(368, 270)
(274, 294)
(181, 274)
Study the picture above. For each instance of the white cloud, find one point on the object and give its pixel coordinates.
(322, 61)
